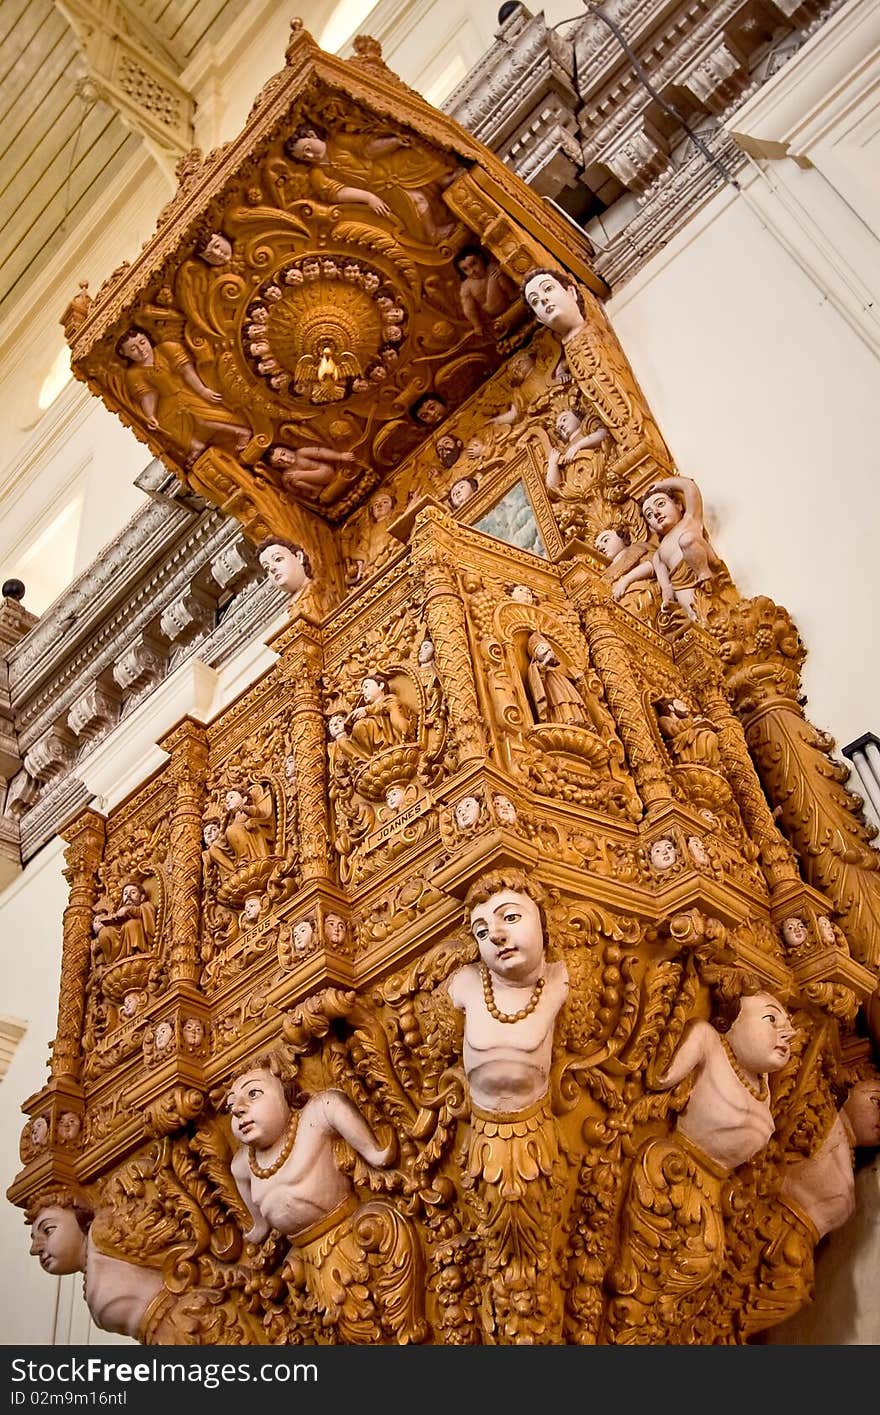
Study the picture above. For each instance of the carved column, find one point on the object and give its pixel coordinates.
(621, 689)
(821, 818)
(301, 665)
(85, 837)
(433, 562)
(705, 675)
(188, 747)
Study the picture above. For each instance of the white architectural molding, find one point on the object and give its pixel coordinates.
(806, 100)
(11, 1033)
(132, 70)
(809, 134)
(124, 759)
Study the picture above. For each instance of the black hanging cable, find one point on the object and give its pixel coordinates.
(649, 88)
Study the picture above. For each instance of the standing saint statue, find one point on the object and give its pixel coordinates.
(554, 693)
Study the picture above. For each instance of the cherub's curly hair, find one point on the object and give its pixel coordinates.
(61, 1197)
(277, 1065)
(725, 1006)
(513, 879)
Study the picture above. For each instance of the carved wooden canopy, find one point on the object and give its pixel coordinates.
(491, 970)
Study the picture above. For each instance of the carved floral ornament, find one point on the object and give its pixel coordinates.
(478, 976)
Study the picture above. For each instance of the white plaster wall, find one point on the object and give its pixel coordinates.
(756, 337)
(769, 399)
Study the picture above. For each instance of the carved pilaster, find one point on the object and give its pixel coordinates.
(621, 689)
(705, 675)
(85, 837)
(302, 664)
(764, 653)
(434, 562)
(188, 747)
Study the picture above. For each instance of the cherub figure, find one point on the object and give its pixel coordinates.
(629, 562)
(728, 1115)
(286, 1170)
(118, 1294)
(163, 382)
(387, 174)
(822, 1187)
(684, 558)
(578, 435)
(486, 292)
(528, 382)
(461, 491)
(320, 470)
(511, 998)
(215, 249)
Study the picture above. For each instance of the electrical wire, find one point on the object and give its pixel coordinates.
(704, 150)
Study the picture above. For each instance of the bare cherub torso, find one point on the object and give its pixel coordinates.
(309, 1185)
(723, 1118)
(507, 1063)
(118, 1293)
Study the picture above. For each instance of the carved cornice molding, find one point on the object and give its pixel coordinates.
(559, 110)
(170, 584)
